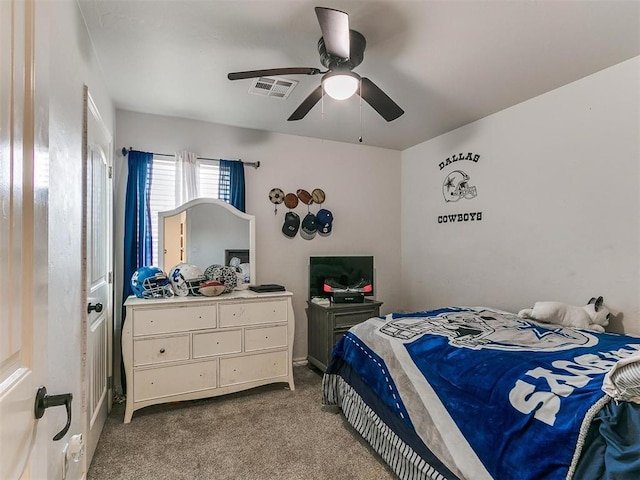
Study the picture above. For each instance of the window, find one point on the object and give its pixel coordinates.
(162, 195)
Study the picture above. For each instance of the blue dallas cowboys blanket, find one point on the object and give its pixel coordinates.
(477, 393)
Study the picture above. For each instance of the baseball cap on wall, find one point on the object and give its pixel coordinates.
(324, 219)
(291, 224)
(309, 227)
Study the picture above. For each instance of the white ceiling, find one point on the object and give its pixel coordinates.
(446, 63)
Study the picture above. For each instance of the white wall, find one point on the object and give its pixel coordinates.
(71, 66)
(361, 184)
(558, 187)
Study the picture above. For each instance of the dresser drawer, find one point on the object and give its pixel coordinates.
(237, 314)
(173, 380)
(217, 343)
(147, 351)
(169, 320)
(252, 367)
(265, 337)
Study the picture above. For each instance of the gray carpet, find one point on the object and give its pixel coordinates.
(266, 433)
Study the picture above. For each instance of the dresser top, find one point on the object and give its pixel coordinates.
(225, 297)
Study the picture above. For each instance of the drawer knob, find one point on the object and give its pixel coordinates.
(162, 350)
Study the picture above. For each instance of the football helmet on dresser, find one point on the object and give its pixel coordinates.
(150, 282)
(186, 279)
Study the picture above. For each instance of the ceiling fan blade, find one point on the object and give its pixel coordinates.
(307, 104)
(273, 72)
(335, 31)
(380, 101)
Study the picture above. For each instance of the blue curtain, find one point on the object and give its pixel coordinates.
(137, 218)
(137, 226)
(231, 183)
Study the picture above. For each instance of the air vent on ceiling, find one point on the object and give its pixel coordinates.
(272, 87)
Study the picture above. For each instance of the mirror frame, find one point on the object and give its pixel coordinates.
(217, 203)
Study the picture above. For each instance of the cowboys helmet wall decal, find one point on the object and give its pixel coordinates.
(456, 186)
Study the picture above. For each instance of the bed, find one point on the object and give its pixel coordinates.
(479, 393)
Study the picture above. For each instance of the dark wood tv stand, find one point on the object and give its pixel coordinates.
(327, 324)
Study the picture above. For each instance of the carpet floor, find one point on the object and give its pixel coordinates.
(265, 433)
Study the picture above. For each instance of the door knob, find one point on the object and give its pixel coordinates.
(97, 307)
(44, 401)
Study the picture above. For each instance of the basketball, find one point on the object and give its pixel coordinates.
(291, 200)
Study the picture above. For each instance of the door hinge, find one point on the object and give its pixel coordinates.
(110, 277)
(110, 171)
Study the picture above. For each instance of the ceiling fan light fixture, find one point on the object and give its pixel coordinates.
(340, 85)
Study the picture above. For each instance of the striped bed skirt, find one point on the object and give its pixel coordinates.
(402, 459)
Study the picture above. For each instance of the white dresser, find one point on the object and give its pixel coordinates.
(184, 348)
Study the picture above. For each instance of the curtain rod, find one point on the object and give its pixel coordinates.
(255, 165)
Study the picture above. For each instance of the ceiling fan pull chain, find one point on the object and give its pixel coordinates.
(360, 138)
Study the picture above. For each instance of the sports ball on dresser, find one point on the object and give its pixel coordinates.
(211, 288)
(225, 275)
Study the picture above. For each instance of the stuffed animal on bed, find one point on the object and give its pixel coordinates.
(593, 316)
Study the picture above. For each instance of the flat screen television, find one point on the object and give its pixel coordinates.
(348, 273)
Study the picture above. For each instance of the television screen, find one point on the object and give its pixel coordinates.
(340, 273)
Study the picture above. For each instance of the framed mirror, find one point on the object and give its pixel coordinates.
(204, 232)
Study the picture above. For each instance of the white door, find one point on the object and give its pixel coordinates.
(23, 244)
(174, 240)
(97, 263)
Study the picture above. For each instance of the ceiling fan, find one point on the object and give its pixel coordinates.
(341, 50)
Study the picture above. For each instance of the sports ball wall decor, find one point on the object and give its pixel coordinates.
(304, 196)
(457, 186)
(291, 201)
(276, 196)
(318, 196)
(320, 222)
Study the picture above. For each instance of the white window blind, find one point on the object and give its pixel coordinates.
(162, 195)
